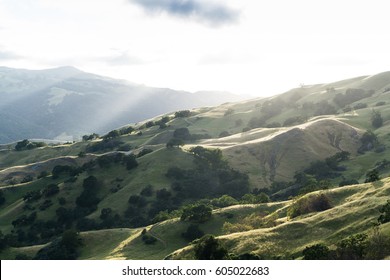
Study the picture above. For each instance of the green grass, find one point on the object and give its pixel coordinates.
(104, 244)
(11, 253)
(356, 209)
(263, 154)
(15, 158)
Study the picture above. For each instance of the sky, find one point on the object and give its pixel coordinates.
(247, 47)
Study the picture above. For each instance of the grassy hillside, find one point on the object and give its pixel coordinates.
(355, 210)
(144, 175)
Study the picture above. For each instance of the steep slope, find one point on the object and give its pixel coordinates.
(278, 155)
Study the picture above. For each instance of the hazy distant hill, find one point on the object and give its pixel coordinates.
(65, 103)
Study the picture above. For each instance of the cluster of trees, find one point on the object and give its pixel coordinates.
(318, 109)
(182, 114)
(361, 246)
(27, 145)
(328, 168)
(28, 229)
(162, 123)
(315, 177)
(68, 170)
(212, 177)
(183, 135)
(64, 248)
(90, 137)
(104, 145)
(351, 95)
(88, 199)
(197, 213)
(369, 141)
(255, 197)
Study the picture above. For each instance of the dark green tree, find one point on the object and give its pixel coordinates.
(316, 252)
(22, 145)
(112, 134)
(175, 142)
(369, 141)
(182, 133)
(182, 114)
(385, 213)
(376, 119)
(131, 162)
(372, 176)
(353, 247)
(51, 190)
(2, 198)
(65, 248)
(210, 248)
(147, 191)
(197, 213)
(193, 232)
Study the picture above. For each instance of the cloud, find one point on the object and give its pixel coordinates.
(204, 11)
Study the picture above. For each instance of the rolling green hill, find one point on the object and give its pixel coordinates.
(249, 161)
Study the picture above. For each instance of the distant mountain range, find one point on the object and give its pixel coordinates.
(65, 103)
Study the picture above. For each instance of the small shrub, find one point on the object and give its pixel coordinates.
(360, 106)
(316, 252)
(224, 134)
(380, 103)
(372, 176)
(147, 191)
(148, 239)
(385, 213)
(224, 201)
(43, 174)
(193, 232)
(144, 152)
(308, 204)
